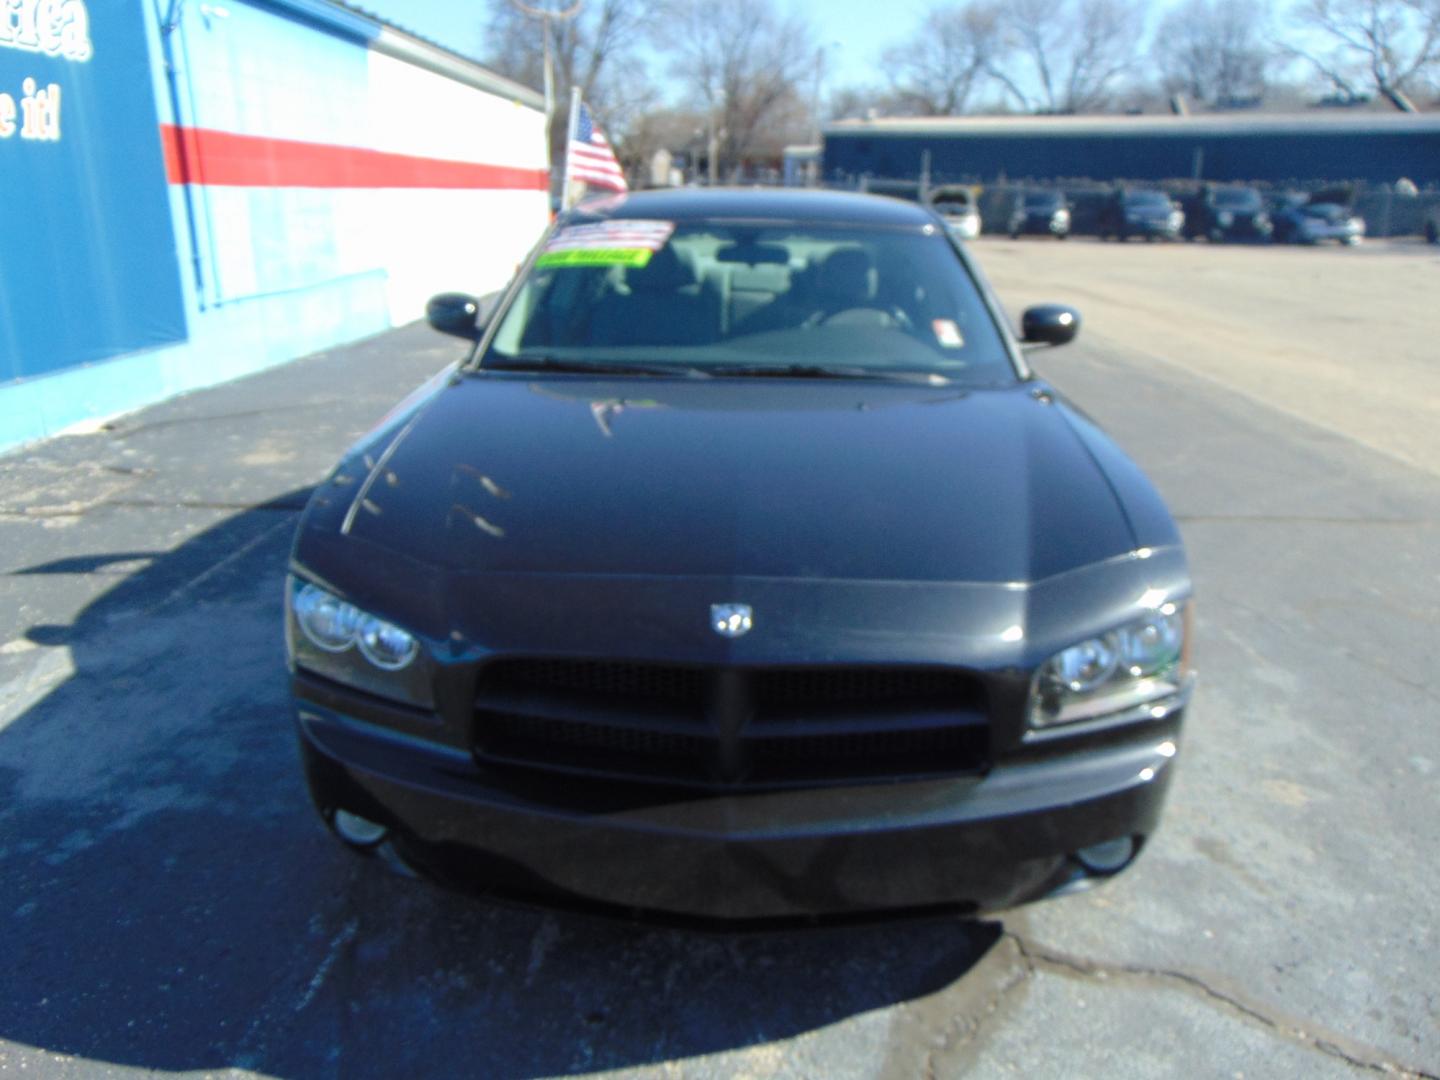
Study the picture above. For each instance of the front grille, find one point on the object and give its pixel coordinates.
(654, 682)
(852, 685)
(731, 726)
(639, 742)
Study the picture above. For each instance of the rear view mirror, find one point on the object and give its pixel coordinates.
(754, 254)
(455, 313)
(1049, 324)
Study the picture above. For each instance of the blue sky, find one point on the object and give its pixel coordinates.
(853, 31)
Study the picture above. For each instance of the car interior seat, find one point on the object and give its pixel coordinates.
(662, 304)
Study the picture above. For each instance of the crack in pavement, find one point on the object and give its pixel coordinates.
(966, 1026)
(81, 510)
(119, 429)
(1303, 1033)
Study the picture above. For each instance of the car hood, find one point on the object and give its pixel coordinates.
(753, 477)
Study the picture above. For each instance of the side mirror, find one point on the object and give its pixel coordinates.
(1049, 324)
(455, 313)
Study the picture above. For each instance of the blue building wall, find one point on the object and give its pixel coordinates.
(87, 267)
(126, 279)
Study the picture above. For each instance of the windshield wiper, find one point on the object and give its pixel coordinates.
(827, 371)
(591, 367)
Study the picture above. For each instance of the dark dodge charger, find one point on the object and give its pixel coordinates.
(744, 570)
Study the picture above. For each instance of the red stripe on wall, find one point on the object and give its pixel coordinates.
(203, 156)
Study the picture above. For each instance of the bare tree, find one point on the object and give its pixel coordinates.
(745, 66)
(857, 102)
(596, 50)
(660, 129)
(1390, 46)
(936, 71)
(1069, 55)
(1214, 50)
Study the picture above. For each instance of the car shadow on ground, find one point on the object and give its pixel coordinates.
(169, 901)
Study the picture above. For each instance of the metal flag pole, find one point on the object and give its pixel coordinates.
(566, 199)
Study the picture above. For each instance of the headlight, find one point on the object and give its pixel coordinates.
(1358, 224)
(334, 638)
(327, 620)
(1139, 665)
(335, 626)
(1061, 217)
(1225, 218)
(1176, 219)
(1262, 221)
(385, 645)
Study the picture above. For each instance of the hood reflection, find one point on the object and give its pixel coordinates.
(784, 478)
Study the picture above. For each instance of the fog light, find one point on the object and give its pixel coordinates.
(356, 830)
(1107, 857)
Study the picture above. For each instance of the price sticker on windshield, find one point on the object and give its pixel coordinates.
(621, 242)
(947, 333)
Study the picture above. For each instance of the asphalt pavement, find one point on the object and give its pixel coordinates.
(169, 904)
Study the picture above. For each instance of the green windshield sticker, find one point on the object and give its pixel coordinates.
(637, 257)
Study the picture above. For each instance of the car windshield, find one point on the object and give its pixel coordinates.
(1237, 199)
(718, 298)
(1042, 200)
(1147, 200)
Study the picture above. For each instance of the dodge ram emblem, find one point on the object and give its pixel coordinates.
(731, 620)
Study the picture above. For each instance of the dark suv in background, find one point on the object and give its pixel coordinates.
(1227, 213)
(1140, 212)
(1045, 213)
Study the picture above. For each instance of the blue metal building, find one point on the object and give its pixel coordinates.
(1368, 147)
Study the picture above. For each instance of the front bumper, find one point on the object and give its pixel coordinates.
(1164, 228)
(1040, 226)
(1345, 234)
(1242, 228)
(965, 228)
(969, 843)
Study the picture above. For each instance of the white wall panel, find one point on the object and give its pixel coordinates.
(414, 111)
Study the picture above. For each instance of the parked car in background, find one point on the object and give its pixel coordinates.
(957, 207)
(1307, 220)
(744, 570)
(1227, 213)
(1140, 212)
(1040, 212)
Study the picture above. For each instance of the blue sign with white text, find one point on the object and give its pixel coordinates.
(88, 267)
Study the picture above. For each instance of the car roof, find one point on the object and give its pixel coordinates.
(767, 204)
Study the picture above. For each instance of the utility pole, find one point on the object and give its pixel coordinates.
(712, 150)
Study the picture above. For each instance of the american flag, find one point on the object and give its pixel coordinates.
(591, 158)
